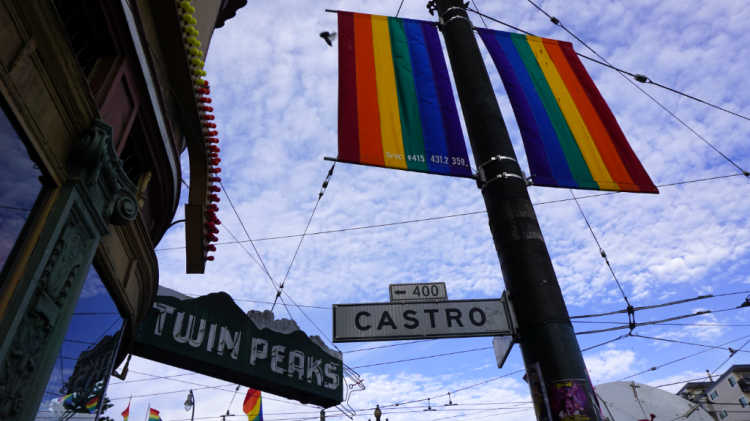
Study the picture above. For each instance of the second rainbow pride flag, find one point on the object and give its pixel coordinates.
(570, 135)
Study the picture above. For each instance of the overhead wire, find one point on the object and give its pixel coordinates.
(644, 79)
(247, 234)
(449, 216)
(480, 16)
(656, 367)
(731, 354)
(669, 303)
(604, 343)
(424, 357)
(557, 22)
(602, 253)
(399, 7)
(634, 324)
(656, 338)
(638, 77)
(302, 237)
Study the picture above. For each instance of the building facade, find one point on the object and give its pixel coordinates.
(98, 103)
(727, 398)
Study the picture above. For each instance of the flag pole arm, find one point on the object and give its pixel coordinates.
(328, 158)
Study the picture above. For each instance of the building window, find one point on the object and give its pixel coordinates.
(77, 385)
(19, 186)
(723, 414)
(731, 380)
(714, 395)
(743, 401)
(86, 27)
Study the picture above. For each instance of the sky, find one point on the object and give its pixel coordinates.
(274, 89)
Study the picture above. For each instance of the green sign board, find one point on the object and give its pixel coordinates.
(211, 335)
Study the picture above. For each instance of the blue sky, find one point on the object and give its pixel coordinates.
(274, 87)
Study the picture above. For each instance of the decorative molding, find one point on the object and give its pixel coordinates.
(98, 194)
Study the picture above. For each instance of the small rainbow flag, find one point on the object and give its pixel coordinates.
(67, 401)
(153, 415)
(92, 404)
(252, 406)
(570, 135)
(126, 413)
(396, 106)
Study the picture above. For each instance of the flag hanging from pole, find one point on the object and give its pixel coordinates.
(126, 413)
(153, 415)
(396, 106)
(252, 406)
(571, 137)
(92, 404)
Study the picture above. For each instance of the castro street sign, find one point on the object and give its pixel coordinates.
(211, 335)
(421, 320)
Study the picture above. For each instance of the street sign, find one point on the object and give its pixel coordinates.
(502, 346)
(418, 292)
(420, 320)
(211, 335)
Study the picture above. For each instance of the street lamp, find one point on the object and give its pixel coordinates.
(190, 404)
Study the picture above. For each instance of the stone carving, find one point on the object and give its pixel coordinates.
(94, 161)
(99, 179)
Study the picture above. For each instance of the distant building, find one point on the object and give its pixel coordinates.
(98, 100)
(727, 398)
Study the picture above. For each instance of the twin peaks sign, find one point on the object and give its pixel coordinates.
(211, 335)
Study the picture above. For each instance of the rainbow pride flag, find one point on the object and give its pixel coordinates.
(153, 415)
(252, 406)
(570, 135)
(92, 404)
(396, 106)
(126, 413)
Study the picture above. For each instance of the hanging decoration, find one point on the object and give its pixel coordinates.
(396, 106)
(571, 137)
(210, 134)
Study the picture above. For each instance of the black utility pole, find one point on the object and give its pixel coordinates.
(560, 386)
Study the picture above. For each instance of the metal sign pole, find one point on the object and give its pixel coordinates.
(110, 368)
(545, 333)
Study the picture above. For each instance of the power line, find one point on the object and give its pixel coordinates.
(636, 76)
(383, 346)
(632, 325)
(307, 226)
(480, 16)
(655, 338)
(654, 368)
(644, 79)
(731, 354)
(682, 381)
(657, 102)
(399, 7)
(670, 303)
(471, 386)
(706, 324)
(601, 250)
(605, 343)
(455, 215)
(425, 357)
(236, 214)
